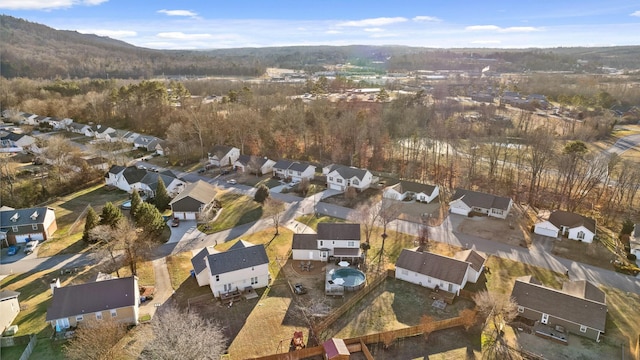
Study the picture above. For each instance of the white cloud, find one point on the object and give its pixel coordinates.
(635, 13)
(187, 13)
(177, 35)
(45, 4)
(116, 34)
(486, 42)
(373, 29)
(373, 22)
(382, 35)
(426, 18)
(333, 32)
(500, 29)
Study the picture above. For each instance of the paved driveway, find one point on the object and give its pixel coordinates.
(187, 230)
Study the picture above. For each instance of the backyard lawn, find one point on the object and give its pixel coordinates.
(236, 210)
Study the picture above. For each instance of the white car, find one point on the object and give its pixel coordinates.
(30, 247)
(232, 181)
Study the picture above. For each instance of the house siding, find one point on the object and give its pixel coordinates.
(240, 279)
(588, 235)
(546, 228)
(428, 281)
(9, 309)
(306, 254)
(460, 208)
(569, 326)
(127, 315)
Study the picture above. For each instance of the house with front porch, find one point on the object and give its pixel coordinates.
(563, 223)
(332, 241)
(340, 177)
(463, 202)
(117, 299)
(24, 225)
(579, 308)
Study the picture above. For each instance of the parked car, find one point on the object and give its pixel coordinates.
(13, 249)
(299, 289)
(232, 181)
(175, 222)
(31, 246)
(126, 205)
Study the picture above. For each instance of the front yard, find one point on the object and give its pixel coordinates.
(236, 210)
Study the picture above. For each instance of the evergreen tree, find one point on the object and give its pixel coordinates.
(261, 194)
(91, 221)
(111, 215)
(149, 219)
(136, 200)
(162, 196)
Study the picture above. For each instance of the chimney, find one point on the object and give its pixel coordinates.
(55, 283)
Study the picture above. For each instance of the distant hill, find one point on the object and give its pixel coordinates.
(37, 51)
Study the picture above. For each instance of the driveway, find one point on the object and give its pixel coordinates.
(187, 230)
(624, 144)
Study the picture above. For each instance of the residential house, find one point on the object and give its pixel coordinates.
(408, 190)
(131, 177)
(129, 137)
(101, 131)
(579, 308)
(80, 129)
(194, 201)
(476, 260)
(117, 299)
(162, 147)
(435, 271)
(333, 240)
(146, 142)
(9, 308)
(340, 177)
(200, 265)
(221, 155)
(20, 140)
(482, 96)
(254, 164)
(243, 267)
(465, 201)
(97, 162)
(56, 123)
(24, 225)
(293, 170)
(564, 223)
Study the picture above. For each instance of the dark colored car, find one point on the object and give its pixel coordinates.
(13, 249)
(175, 222)
(299, 289)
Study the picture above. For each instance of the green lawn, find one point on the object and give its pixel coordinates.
(313, 221)
(504, 273)
(236, 210)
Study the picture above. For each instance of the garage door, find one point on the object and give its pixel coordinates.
(185, 215)
(545, 231)
(335, 187)
(459, 211)
(26, 237)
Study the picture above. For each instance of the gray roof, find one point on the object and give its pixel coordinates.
(92, 297)
(296, 166)
(251, 160)
(561, 218)
(346, 252)
(350, 172)
(144, 140)
(404, 186)
(133, 175)
(559, 304)
(17, 217)
(433, 265)
(282, 164)
(152, 179)
(12, 136)
(200, 191)
(223, 149)
(584, 289)
(471, 256)
(198, 260)
(481, 200)
(77, 126)
(241, 255)
(116, 169)
(305, 242)
(338, 231)
(8, 294)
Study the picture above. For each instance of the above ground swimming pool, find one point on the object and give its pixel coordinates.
(352, 279)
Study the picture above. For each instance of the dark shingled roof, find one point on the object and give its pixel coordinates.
(201, 191)
(471, 256)
(561, 218)
(241, 255)
(92, 297)
(23, 216)
(563, 305)
(133, 175)
(8, 294)
(433, 265)
(223, 149)
(252, 160)
(198, 260)
(404, 186)
(350, 172)
(282, 164)
(296, 166)
(305, 242)
(481, 200)
(337, 231)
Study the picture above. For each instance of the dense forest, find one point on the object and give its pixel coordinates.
(37, 51)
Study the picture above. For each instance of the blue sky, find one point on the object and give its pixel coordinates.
(211, 24)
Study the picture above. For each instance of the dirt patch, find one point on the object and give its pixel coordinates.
(508, 231)
(594, 253)
(418, 212)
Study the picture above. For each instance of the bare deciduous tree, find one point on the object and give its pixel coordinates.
(95, 340)
(499, 310)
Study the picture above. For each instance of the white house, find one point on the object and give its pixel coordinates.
(564, 223)
(411, 190)
(432, 270)
(254, 164)
(193, 201)
(80, 129)
(221, 155)
(9, 308)
(243, 267)
(293, 170)
(341, 177)
(23, 141)
(465, 201)
(101, 131)
(200, 265)
(476, 260)
(130, 178)
(333, 240)
(146, 142)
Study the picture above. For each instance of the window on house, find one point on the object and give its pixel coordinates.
(351, 243)
(355, 182)
(583, 328)
(321, 242)
(34, 226)
(99, 316)
(114, 313)
(79, 318)
(254, 280)
(581, 235)
(14, 228)
(217, 277)
(253, 268)
(339, 181)
(428, 279)
(520, 309)
(330, 178)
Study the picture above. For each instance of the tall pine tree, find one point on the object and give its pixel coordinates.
(91, 220)
(111, 215)
(162, 196)
(150, 219)
(136, 200)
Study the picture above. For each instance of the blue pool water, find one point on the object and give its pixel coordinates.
(352, 277)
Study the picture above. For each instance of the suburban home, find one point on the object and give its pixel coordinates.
(244, 267)
(194, 201)
(408, 190)
(21, 140)
(117, 299)
(200, 265)
(564, 223)
(146, 142)
(24, 225)
(9, 308)
(254, 164)
(221, 155)
(80, 129)
(579, 308)
(340, 177)
(435, 271)
(476, 260)
(97, 162)
(333, 241)
(465, 201)
(101, 131)
(131, 177)
(162, 147)
(293, 170)
(129, 137)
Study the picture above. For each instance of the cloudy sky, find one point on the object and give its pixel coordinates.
(200, 24)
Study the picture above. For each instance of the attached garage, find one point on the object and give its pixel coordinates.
(183, 215)
(460, 208)
(336, 187)
(28, 237)
(546, 228)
